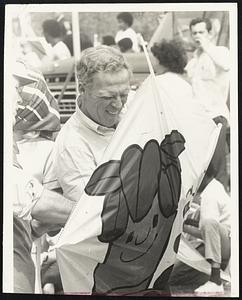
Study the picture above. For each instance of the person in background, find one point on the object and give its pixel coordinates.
(85, 42)
(108, 40)
(208, 72)
(54, 36)
(36, 124)
(214, 225)
(126, 45)
(36, 210)
(125, 21)
(67, 35)
(210, 230)
(172, 60)
(35, 130)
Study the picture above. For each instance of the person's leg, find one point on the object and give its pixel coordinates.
(184, 277)
(217, 241)
(225, 245)
(211, 235)
(217, 249)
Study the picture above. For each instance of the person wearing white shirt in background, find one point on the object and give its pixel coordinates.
(53, 35)
(208, 72)
(125, 21)
(211, 226)
(214, 225)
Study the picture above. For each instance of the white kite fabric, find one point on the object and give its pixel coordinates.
(123, 235)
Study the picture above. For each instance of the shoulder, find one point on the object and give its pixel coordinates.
(71, 140)
(183, 91)
(60, 45)
(130, 32)
(69, 131)
(35, 148)
(214, 190)
(61, 49)
(171, 79)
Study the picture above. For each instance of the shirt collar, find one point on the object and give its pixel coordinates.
(83, 119)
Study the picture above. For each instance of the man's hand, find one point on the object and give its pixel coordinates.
(203, 42)
(38, 228)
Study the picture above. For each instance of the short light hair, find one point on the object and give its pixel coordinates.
(99, 59)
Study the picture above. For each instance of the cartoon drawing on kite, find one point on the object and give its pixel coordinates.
(142, 191)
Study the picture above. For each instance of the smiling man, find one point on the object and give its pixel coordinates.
(104, 84)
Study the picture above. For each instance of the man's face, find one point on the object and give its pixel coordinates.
(105, 97)
(199, 31)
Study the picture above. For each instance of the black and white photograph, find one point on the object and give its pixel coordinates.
(121, 150)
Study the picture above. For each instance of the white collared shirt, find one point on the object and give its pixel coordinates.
(215, 203)
(78, 149)
(210, 83)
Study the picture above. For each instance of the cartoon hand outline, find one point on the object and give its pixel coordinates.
(127, 190)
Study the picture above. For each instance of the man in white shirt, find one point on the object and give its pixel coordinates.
(208, 72)
(125, 21)
(104, 85)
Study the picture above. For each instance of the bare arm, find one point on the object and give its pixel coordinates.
(219, 55)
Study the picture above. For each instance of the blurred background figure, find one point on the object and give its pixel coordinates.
(171, 57)
(214, 219)
(36, 122)
(125, 21)
(108, 40)
(214, 228)
(67, 35)
(126, 45)
(208, 230)
(208, 72)
(54, 36)
(24, 270)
